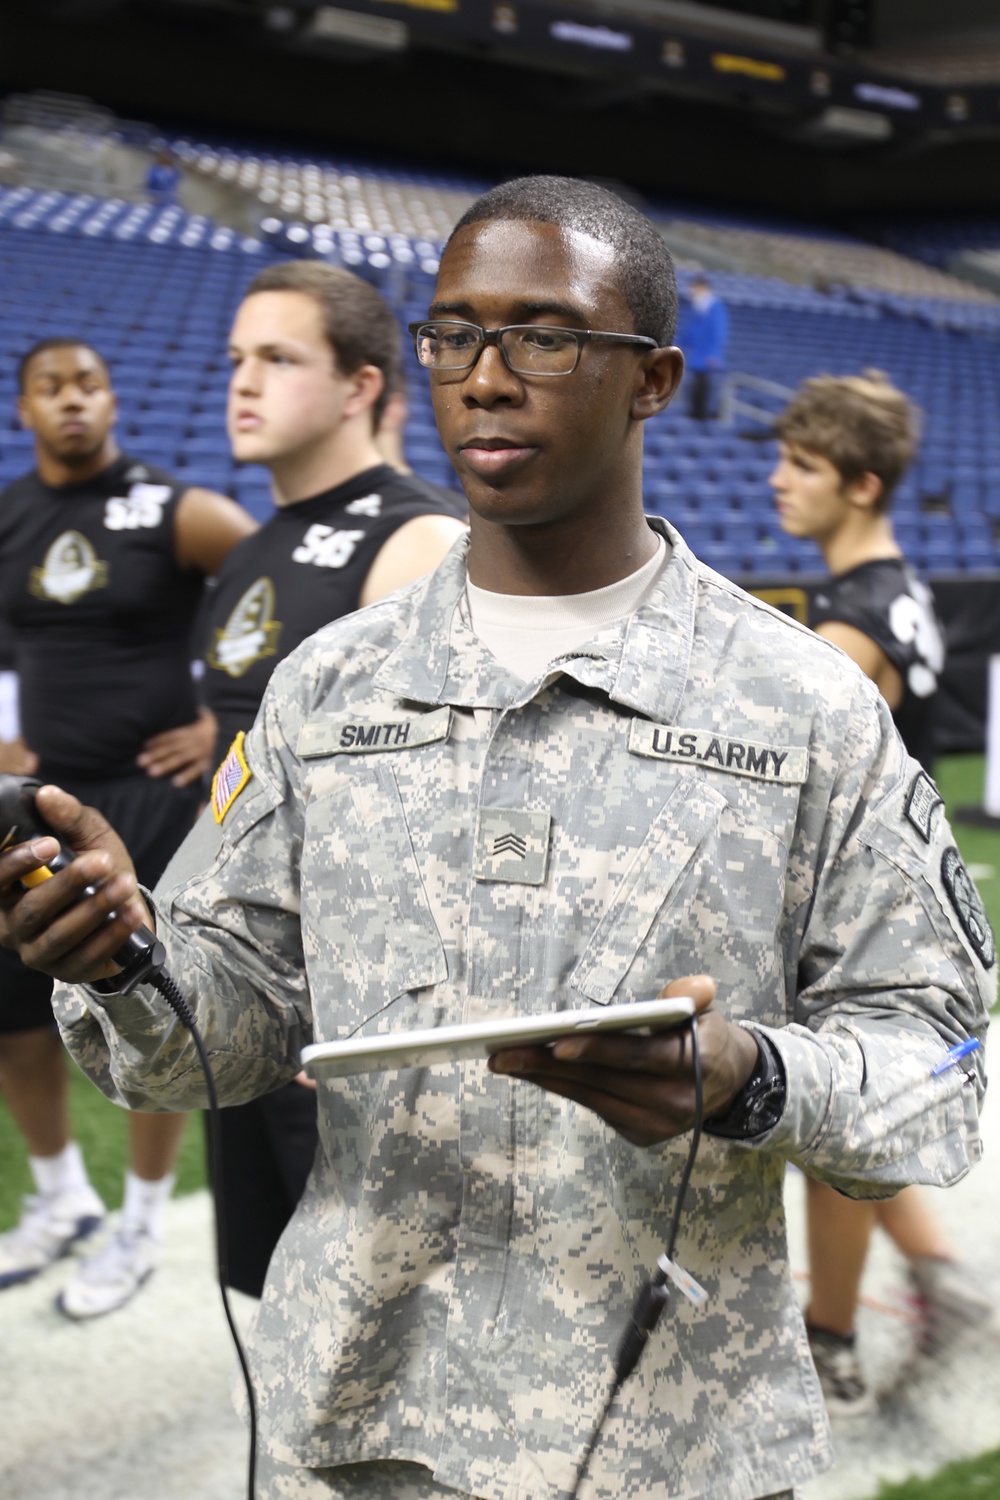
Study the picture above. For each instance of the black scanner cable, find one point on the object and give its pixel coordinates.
(142, 959)
(171, 992)
(654, 1294)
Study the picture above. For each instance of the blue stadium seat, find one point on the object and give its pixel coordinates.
(156, 290)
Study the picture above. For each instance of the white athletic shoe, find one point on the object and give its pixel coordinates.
(112, 1275)
(50, 1225)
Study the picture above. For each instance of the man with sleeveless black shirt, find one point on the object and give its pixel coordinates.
(316, 360)
(102, 561)
(845, 443)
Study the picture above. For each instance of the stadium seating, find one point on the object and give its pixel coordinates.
(155, 289)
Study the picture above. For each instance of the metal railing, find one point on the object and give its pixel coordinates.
(69, 144)
(731, 406)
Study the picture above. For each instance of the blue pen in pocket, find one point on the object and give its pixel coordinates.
(954, 1055)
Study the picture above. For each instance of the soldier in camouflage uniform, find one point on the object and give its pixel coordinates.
(424, 828)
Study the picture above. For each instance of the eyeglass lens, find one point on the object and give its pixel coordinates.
(528, 349)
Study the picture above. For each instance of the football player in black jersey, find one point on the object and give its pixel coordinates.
(102, 560)
(389, 437)
(315, 360)
(844, 445)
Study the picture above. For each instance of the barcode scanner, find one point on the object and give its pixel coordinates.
(141, 955)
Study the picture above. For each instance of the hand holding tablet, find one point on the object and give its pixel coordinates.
(446, 1044)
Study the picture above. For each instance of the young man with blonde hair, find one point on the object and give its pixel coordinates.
(845, 443)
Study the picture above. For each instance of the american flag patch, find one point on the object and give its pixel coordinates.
(230, 779)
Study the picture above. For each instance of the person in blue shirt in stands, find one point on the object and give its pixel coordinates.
(163, 178)
(703, 336)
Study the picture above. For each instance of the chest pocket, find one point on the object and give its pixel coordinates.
(704, 893)
(378, 941)
(679, 830)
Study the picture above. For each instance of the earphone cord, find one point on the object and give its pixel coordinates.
(174, 997)
(653, 1295)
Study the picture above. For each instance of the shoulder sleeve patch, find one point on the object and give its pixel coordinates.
(922, 801)
(230, 779)
(968, 906)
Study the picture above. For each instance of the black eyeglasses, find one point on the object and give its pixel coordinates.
(526, 348)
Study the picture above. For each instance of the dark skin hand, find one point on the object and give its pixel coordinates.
(644, 1086)
(70, 941)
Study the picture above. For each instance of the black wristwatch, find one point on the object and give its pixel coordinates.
(760, 1103)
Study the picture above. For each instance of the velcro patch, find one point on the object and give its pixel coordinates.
(788, 764)
(230, 779)
(922, 801)
(512, 844)
(360, 736)
(968, 906)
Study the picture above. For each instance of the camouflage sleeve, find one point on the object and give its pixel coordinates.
(227, 911)
(896, 964)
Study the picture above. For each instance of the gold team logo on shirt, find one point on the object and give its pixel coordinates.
(249, 634)
(71, 569)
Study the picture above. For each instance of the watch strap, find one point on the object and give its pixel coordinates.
(760, 1103)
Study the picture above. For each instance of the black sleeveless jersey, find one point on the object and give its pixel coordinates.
(305, 567)
(8, 648)
(101, 613)
(887, 602)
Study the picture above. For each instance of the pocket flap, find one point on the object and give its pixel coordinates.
(415, 954)
(678, 830)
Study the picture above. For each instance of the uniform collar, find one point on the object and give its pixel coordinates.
(642, 664)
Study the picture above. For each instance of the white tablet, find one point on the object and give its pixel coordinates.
(446, 1044)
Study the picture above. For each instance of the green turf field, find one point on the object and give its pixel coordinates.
(101, 1128)
(963, 1481)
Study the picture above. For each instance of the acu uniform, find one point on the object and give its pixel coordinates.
(419, 838)
(101, 614)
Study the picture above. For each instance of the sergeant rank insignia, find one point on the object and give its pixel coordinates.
(230, 779)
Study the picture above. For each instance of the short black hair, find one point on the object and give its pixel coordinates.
(358, 323)
(62, 341)
(644, 264)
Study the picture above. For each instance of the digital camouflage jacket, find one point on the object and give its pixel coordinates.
(420, 838)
